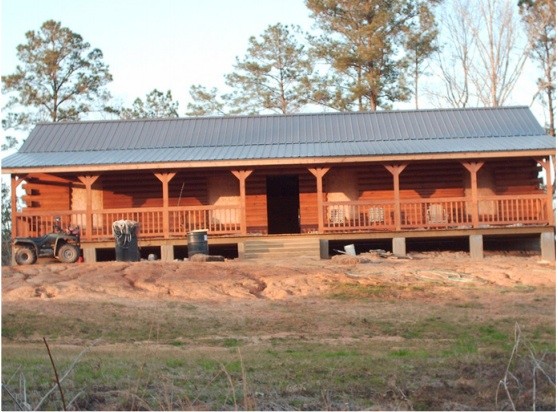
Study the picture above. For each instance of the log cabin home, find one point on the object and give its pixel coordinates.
(257, 181)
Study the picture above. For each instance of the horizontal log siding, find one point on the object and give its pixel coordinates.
(256, 203)
(47, 192)
(143, 189)
(126, 190)
(437, 180)
(193, 186)
(516, 176)
(433, 180)
(375, 183)
(308, 202)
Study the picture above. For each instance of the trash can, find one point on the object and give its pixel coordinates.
(197, 242)
(126, 240)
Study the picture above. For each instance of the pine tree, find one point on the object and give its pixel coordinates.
(273, 76)
(363, 42)
(156, 105)
(60, 78)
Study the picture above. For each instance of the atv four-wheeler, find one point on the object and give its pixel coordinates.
(61, 244)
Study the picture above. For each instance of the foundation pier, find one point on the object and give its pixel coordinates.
(548, 246)
(399, 246)
(476, 247)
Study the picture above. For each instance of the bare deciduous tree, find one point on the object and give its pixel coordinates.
(485, 52)
(501, 52)
(456, 58)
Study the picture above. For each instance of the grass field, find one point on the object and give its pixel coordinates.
(357, 346)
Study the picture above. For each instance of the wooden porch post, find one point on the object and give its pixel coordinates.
(15, 182)
(88, 182)
(546, 165)
(473, 168)
(319, 173)
(242, 175)
(165, 178)
(396, 170)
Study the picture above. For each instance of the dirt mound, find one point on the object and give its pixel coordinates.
(274, 279)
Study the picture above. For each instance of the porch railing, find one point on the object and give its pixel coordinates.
(346, 216)
(217, 220)
(360, 215)
(513, 210)
(442, 213)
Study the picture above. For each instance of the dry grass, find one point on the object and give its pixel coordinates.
(326, 354)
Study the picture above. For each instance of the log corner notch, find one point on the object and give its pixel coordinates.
(319, 173)
(242, 175)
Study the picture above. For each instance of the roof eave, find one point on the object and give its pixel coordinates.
(233, 164)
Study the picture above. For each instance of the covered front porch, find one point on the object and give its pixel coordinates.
(356, 198)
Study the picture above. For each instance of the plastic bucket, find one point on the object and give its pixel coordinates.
(350, 250)
(197, 243)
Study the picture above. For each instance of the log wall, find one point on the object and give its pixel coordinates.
(143, 189)
(47, 192)
(515, 176)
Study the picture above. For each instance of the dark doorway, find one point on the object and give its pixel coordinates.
(283, 205)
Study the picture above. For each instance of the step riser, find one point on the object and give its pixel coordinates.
(271, 249)
(281, 249)
(282, 254)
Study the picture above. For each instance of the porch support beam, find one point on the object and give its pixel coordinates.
(165, 178)
(396, 170)
(88, 181)
(547, 166)
(319, 173)
(473, 167)
(242, 175)
(16, 180)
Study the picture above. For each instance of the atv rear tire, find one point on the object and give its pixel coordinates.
(25, 255)
(68, 253)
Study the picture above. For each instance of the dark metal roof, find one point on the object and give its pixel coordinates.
(280, 137)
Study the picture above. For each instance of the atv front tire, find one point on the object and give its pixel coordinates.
(25, 255)
(68, 253)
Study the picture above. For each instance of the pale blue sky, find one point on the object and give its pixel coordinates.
(163, 44)
(171, 44)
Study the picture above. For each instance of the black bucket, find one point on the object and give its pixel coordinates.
(197, 243)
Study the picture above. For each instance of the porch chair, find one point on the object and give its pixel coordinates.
(436, 214)
(337, 216)
(376, 215)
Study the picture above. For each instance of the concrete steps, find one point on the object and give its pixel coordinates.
(280, 248)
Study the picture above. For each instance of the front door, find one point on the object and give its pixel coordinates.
(283, 205)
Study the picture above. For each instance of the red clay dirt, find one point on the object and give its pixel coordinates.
(270, 279)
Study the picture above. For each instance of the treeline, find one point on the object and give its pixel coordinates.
(363, 55)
